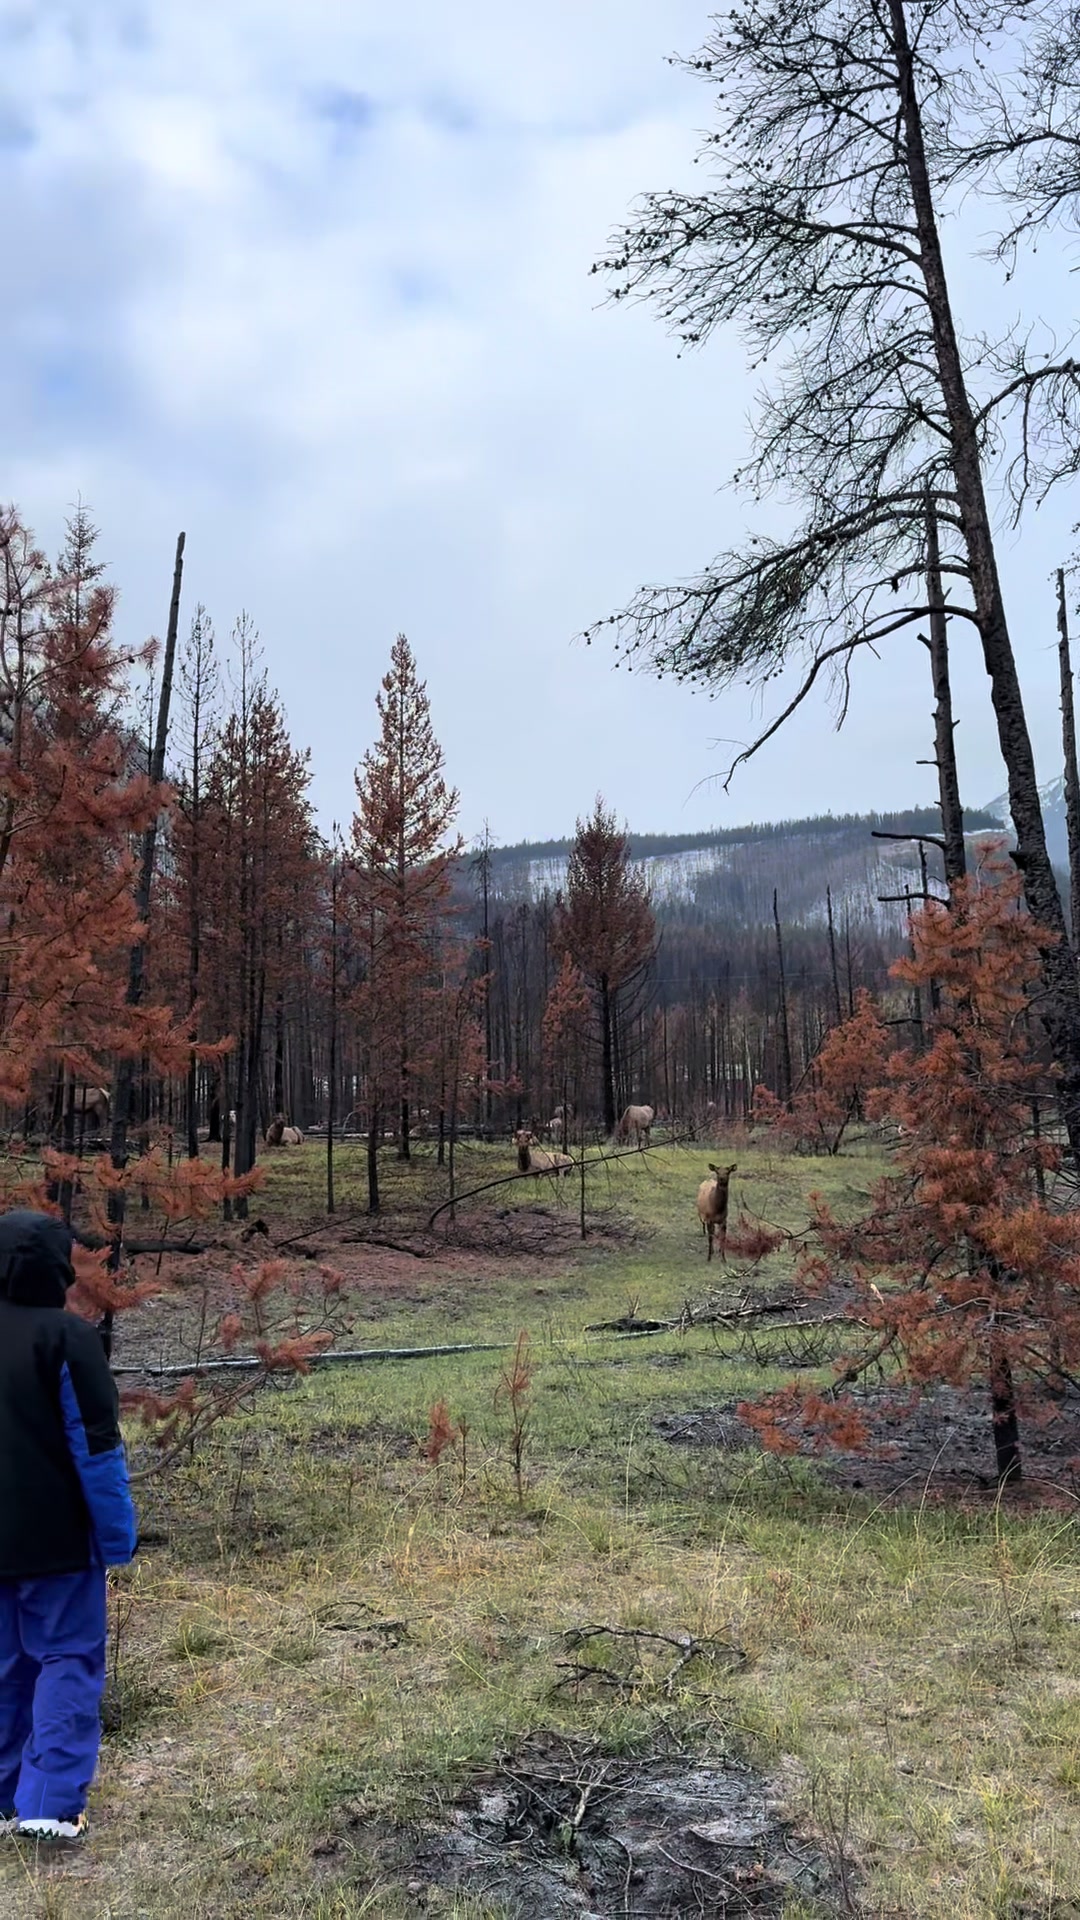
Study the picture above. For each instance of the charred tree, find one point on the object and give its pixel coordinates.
(1072, 774)
(841, 145)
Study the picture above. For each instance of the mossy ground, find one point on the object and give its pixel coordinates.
(333, 1634)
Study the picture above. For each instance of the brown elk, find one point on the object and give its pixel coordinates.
(712, 1206)
(92, 1107)
(278, 1134)
(637, 1121)
(533, 1159)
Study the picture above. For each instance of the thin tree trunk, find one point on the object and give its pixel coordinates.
(832, 958)
(224, 1115)
(850, 966)
(606, 1058)
(213, 1110)
(64, 1193)
(403, 1143)
(952, 813)
(124, 1077)
(486, 882)
(1072, 774)
(917, 1026)
(331, 1080)
(581, 1164)
(374, 1123)
(784, 1036)
(194, 909)
(278, 1097)
(1005, 1422)
(247, 1119)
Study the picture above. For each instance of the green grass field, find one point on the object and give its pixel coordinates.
(334, 1634)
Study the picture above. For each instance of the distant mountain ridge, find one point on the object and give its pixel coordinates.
(730, 873)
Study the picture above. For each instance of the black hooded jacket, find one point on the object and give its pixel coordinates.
(65, 1502)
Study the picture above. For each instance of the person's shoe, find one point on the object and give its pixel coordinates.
(71, 1826)
(9, 1821)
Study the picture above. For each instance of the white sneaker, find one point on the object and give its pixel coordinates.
(71, 1826)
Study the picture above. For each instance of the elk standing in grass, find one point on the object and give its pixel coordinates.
(712, 1206)
(533, 1159)
(637, 1121)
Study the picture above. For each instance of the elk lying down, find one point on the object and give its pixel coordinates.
(278, 1134)
(534, 1159)
(637, 1121)
(712, 1206)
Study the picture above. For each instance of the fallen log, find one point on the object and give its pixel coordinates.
(600, 1159)
(359, 1356)
(627, 1324)
(94, 1242)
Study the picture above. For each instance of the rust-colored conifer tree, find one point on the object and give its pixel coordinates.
(402, 863)
(70, 806)
(965, 1270)
(254, 888)
(606, 925)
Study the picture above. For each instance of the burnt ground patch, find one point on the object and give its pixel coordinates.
(559, 1830)
(942, 1448)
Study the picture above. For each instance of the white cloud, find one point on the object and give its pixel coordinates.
(311, 281)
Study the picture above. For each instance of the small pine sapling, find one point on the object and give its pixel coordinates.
(515, 1387)
(441, 1433)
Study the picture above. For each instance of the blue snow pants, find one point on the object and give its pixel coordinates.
(52, 1676)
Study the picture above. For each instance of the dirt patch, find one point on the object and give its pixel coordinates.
(942, 1448)
(380, 1279)
(344, 1442)
(560, 1829)
(540, 1232)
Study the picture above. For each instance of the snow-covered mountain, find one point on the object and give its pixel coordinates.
(1052, 796)
(731, 876)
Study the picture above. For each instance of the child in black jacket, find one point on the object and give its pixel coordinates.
(65, 1515)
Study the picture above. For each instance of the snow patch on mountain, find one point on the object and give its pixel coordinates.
(1052, 798)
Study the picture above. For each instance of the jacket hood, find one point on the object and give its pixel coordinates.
(35, 1259)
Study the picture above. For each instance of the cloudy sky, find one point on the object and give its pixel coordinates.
(310, 280)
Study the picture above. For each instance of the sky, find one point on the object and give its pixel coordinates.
(310, 281)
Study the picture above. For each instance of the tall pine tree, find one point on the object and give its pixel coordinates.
(403, 864)
(606, 925)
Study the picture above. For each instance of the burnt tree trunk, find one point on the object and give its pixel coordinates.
(954, 850)
(374, 1124)
(607, 1062)
(1072, 775)
(124, 1078)
(783, 1032)
(1005, 1421)
(835, 971)
(332, 1040)
(1060, 1001)
(213, 1109)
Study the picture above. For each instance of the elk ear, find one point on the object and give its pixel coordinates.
(734, 1167)
(713, 1169)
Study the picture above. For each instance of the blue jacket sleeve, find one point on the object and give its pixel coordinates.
(91, 1414)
